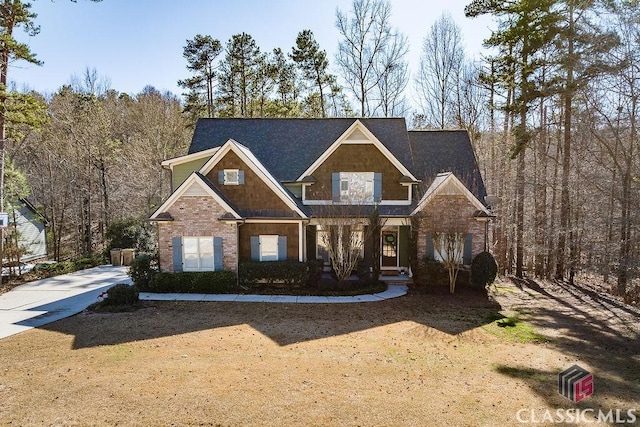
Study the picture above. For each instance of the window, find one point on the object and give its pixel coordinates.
(356, 187)
(231, 177)
(448, 244)
(333, 237)
(197, 253)
(269, 248)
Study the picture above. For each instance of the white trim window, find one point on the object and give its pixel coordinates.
(356, 187)
(268, 247)
(197, 254)
(231, 177)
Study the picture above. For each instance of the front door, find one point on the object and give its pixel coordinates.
(389, 248)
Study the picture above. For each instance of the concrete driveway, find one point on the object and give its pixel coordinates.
(44, 301)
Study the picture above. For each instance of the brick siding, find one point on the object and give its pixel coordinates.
(197, 216)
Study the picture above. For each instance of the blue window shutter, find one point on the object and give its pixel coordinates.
(217, 253)
(377, 187)
(255, 248)
(335, 186)
(220, 177)
(240, 177)
(466, 253)
(430, 251)
(282, 248)
(177, 253)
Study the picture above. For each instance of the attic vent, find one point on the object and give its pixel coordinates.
(451, 189)
(357, 135)
(195, 189)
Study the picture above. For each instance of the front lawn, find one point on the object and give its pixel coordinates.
(428, 359)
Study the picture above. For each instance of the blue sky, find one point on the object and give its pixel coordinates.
(139, 42)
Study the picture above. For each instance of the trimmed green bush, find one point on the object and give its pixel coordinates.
(201, 282)
(141, 270)
(430, 272)
(315, 267)
(363, 270)
(119, 295)
(484, 269)
(289, 273)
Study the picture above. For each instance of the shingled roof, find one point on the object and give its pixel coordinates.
(436, 151)
(287, 147)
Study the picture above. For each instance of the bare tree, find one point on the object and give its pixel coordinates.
(368, 45)
(393, 78)
(440, 67)
(448, 233)
(343, 230)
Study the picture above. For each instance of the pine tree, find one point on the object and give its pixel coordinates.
(314, 65)
(525, 29)
(200, 53)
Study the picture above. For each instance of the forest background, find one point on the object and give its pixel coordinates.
(551, 107)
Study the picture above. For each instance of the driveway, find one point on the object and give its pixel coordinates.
(44, 301)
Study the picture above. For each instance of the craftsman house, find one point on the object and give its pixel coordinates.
(267, 189)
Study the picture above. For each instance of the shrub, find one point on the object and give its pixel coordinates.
(430, 272)
(43, 271)
(121, 294)
(483, 270)
(362, 270)
(141, 270)
(130, 233)
(315, 268)
(202, 282)
(290, 273)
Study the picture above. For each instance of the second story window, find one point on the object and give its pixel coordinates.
(231, 177)
(356, 187)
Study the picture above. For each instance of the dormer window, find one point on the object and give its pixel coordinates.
(231, 177)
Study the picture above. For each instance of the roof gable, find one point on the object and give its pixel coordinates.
(447, 184)
(287, 147)
(357, 133)
(437, 151)
(247, 157)
(196, 185)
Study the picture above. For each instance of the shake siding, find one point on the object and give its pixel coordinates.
(289, 230)
(254, 194)
(357, 158)
(197, 216)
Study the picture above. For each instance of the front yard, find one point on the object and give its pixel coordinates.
(424, 359)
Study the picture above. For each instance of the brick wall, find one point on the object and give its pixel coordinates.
(450, 210)
(197, 216)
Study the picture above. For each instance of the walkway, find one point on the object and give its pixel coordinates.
(44, 301)
(393, 291)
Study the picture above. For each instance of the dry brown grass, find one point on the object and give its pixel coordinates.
(418, 360)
